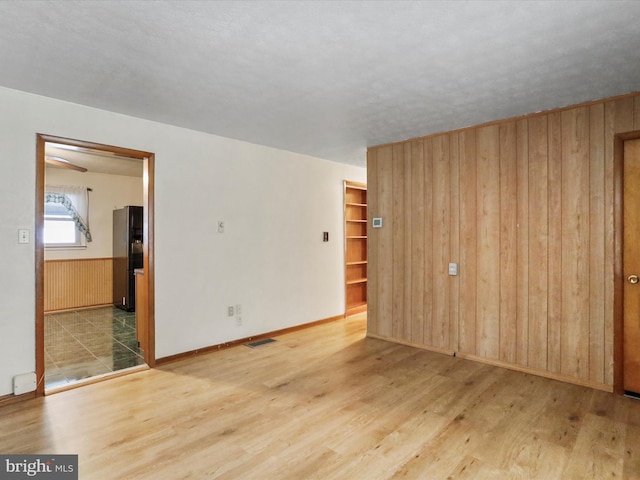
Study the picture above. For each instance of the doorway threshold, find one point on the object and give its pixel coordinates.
(97, 379)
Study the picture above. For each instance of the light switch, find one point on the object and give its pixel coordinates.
(377, 222)
(24, 235)
(220, 226)
(453, 269)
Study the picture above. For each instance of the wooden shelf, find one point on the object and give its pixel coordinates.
(355, 231)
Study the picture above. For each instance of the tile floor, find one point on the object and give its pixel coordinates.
(79, 344)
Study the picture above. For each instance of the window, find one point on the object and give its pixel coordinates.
(66, 210)
(60, 228)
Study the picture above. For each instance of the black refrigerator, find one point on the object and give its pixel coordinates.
(127, 255)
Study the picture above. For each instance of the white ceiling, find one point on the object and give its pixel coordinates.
(95, 161)
(323, 78)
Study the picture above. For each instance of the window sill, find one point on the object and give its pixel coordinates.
(65, 247)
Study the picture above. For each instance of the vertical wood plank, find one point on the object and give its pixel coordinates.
(441, 206)
(538, 238)
(454, 239)
(398, 241)
(417, 242)
(597, 230)
(488, 243)
(575, 242)
(522, 225)
(408, 265)
(508, 242)
(554, 297)
(526, 207)
(385, 241)
(427, 298)
(77, 283)
(468, 248)
(622, 114)
(373, 273)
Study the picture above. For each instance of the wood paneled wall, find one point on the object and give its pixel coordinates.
(77, 283)
(526, 208)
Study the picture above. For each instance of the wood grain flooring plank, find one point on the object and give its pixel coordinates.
(441, 454)
(539, 459)
(599, 450)
(631, 467)
(328, 402)
(471, 468)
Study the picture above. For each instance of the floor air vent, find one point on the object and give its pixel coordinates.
(633, 395)
(259, 343)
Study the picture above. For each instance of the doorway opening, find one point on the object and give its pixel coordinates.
(81, 334)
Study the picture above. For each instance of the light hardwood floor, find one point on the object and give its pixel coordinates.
(328, 403)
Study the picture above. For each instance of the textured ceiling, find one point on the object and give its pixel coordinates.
(94, 161)
(323, 78)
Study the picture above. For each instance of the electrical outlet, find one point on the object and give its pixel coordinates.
(239, 321)
(230, 311)
(238, 309)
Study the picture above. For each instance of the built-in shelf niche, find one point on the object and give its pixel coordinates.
(355, 216)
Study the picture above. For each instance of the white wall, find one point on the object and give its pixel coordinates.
(271, 259)
(109, 193)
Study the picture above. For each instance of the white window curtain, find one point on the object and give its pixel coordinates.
(75, 200)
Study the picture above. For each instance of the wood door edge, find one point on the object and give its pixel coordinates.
(618, 312)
